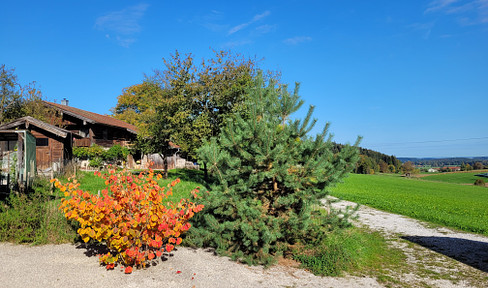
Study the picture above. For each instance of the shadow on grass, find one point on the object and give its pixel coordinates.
(469, 252)
(187, 175)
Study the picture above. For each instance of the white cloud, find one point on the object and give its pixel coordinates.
(424, 28)
(468, 12)
(264, 29)
(123, 23)
(439, 5)
(256, 18)
(233, 44)
(297, 40)
(212, 21)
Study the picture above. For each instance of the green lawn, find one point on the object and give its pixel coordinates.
(190, 179)
(458, 178)
(454, 205)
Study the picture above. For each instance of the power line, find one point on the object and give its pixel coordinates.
(430, 141)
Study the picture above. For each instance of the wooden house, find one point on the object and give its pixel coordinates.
(76, 128)
(91, 128)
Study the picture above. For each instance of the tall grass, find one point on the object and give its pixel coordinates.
(458, 206)
(33, 217)
(350, 250)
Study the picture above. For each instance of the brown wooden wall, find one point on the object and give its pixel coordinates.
(55, 151)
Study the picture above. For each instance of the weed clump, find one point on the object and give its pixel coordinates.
(479, 182)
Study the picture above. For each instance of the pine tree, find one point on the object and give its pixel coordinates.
(270, 178)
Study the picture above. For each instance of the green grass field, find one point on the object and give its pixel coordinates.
(453, 205)
(457, 178)
(190, 179)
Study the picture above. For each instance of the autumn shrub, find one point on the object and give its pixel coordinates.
(130, 217)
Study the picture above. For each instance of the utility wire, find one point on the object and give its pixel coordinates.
(430, 141)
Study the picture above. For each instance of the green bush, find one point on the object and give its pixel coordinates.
(80, 152)
(114, 153)
(96, 162)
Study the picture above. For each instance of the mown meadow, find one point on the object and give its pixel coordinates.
(190, 179)
(456, 178)
(450, 204)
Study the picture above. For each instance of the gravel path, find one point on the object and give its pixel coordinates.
(468, 248)
(75, 266)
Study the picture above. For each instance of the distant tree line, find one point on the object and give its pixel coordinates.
(442, 162)
(371, 162)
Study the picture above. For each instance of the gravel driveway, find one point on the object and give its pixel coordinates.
(71, 266)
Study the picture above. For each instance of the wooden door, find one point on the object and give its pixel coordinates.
(43, 158)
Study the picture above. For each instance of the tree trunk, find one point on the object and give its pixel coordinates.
(205, 171)
(165, 166)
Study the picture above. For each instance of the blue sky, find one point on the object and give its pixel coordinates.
(411, 77)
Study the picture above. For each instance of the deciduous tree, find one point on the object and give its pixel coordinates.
(188, 101)
(10, 92)
(408, 167)
(19, 100)
(478, 166)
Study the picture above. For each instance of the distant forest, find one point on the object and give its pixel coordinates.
(441, 162)
(371, 162)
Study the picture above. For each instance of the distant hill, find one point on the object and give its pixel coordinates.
(439, 162)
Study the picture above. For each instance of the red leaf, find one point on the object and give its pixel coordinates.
(128, 270)
(178, 272)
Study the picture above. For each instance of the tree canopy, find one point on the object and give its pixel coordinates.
(19, 100)
(190, 101)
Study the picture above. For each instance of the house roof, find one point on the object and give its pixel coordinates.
(93, 118)
(28, 120)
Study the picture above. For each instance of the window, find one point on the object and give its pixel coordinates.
(42, 142)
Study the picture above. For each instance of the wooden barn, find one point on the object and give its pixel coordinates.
(92, 128)
(53, 144)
